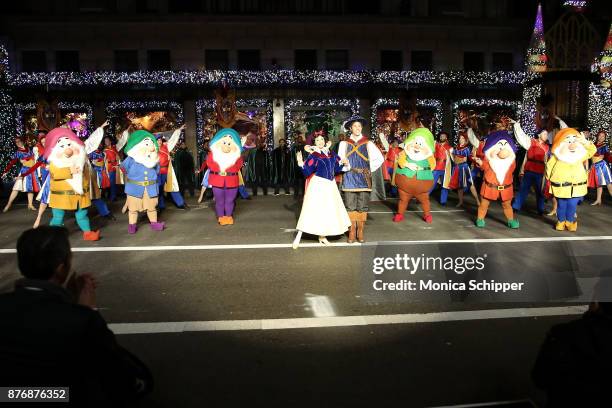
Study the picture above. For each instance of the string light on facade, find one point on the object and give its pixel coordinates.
(434, 104)
(349, 104)
(515, 106)
(209, 105)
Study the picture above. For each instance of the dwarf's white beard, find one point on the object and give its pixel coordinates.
(149, 160)
(500, 167)
(563, 154)
(224, 160)
(78, 160)
(421, 155)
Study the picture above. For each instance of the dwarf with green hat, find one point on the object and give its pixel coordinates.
(141, 168)
(413, 173)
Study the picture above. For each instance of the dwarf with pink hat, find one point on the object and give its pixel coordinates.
(70, 177)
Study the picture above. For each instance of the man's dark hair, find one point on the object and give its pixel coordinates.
(425, 119)
(606, 308)
(40, 251)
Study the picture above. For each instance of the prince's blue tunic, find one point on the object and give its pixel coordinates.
(359, 177)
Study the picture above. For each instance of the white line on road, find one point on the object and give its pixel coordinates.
(414, 211)
(336, 244)
(342, 321)
(488, 404)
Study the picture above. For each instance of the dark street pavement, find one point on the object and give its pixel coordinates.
(240, 318)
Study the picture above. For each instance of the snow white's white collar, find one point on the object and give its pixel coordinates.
(324, 150)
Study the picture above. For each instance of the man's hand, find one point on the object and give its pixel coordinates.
(86, 286)
(105, 124)
(75, 169)
(300, 159)
(344, 162)
(477, 160)
(183, 127)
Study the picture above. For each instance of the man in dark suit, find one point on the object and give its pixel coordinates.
(52, 334)
(573, 365)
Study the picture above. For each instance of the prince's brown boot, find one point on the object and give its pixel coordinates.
(353, 228)
(362, 217)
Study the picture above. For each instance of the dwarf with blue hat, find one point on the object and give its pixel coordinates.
(224, 162)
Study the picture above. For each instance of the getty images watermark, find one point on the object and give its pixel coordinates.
(485, 271)
(460, 265)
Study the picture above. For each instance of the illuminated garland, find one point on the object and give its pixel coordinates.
(436, 104)
(529, 111)
(4, 63)
(203, 105)
(113, 109)
(7, 130)
(351, 105)
(482, 103)
(68, 107)
(579, 5)
(267, 79)
(599, 116)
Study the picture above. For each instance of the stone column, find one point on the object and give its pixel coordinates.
(189, 112)
(278, 119)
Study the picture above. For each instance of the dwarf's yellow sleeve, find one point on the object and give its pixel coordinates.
(432, 162)
(590, 151)
(550, 164)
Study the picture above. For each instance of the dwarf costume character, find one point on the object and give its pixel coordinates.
(413, 173)
(141, 169)
(567, 175)
(498, 166)
(364, 159)
(70, 178)
(94, 189)
(224, 161)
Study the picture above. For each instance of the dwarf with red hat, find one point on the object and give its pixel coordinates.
(70, 177)
(498, 164)
(567, 175)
